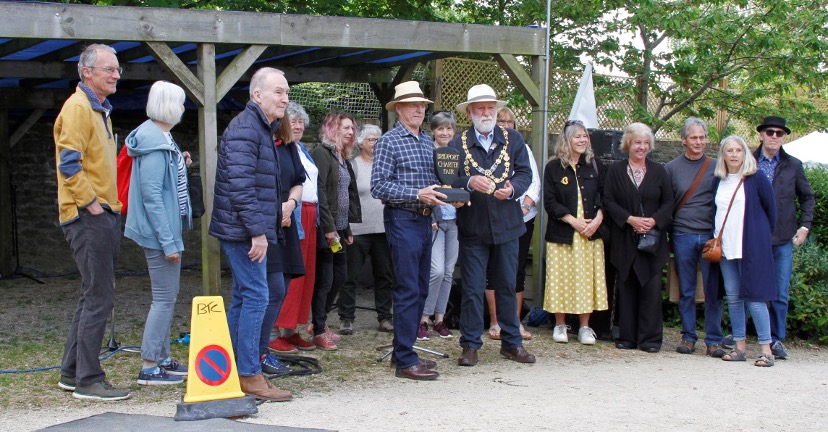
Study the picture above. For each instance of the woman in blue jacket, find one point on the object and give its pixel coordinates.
(159, 210)
(747, 266)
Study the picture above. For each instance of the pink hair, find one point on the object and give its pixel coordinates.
(329, 130)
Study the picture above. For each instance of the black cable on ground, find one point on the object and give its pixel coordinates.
(130, 349)
(298, 365)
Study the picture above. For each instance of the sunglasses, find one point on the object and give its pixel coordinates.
(772, 132)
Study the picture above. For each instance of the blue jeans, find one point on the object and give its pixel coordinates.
(165, 278)
(409, 238)
(277, 283)
(731, 273)
(687, 248)
(247, 305)
(783, 257)
(443, 258)
(474, 260)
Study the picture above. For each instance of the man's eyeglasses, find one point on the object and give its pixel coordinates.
(771, 132)
(109, 70)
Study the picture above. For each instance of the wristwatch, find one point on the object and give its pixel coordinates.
(527, 207)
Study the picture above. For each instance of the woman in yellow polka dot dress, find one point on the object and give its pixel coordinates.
(573, 185)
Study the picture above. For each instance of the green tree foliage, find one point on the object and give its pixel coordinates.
(748, 58)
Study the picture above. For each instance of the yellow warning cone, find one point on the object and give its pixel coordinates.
(213, 373)
(213, 389)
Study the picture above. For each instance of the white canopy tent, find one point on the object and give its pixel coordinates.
(810, 149)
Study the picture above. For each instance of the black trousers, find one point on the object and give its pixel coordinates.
(331, 271)
(640, 320)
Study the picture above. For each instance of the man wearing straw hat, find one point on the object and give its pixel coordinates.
(404, 179)
(495, 170)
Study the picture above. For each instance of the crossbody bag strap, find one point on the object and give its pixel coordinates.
(721, 230)
(693, 187)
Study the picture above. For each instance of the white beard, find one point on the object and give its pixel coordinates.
(484, 124)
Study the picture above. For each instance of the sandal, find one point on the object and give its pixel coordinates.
(735, 355)
(494, 332)
(525, 335)
(765, 360)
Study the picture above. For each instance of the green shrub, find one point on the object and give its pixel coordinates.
(808, 309)
(818, 177)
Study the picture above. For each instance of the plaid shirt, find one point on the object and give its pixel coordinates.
(403, 164)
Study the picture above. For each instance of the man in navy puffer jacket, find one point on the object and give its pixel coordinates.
(246, 216)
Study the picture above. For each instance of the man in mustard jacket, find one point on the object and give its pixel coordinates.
(90, 217)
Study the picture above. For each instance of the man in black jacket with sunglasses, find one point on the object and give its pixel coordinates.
(789, 184)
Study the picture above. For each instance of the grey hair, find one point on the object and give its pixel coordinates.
(294, 110)
(258, 78)
(165, 102)
(90, 55)
(366, 130)
(749, 165)
(689, 123)
(634, 130)
(443, 118)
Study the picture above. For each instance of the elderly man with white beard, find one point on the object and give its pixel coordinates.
(495, 169)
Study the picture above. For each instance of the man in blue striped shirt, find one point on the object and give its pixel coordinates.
(404, 179)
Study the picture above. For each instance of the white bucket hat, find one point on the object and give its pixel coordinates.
(408, 91)
(480, 93)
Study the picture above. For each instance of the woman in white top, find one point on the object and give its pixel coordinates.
(747, 267)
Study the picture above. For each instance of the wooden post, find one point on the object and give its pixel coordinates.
(539, 133)
(208, 151)
(7, 264)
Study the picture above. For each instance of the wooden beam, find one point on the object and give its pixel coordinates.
(236, 69)
(96, 23)
(7, 263)
(25, 126)
(167, 58)
(527, 86)
(33, 98)
(208, 153)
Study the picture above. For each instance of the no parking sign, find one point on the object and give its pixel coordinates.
(213, 365)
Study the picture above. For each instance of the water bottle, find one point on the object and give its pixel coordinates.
(336, 245)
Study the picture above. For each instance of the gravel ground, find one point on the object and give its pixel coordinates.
(593, 388)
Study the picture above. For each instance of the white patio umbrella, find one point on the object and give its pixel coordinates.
(812, 148)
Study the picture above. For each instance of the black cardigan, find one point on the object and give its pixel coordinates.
(622, 200)
(326, 160)
(560, 196)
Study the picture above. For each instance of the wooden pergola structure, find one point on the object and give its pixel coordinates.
(213, 53)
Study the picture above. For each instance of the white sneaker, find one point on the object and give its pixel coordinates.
(559, 334)
(586, 336)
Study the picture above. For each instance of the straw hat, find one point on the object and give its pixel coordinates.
(480, 93)
(408, 91)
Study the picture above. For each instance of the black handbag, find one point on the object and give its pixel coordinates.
(196, 195)
(648, 242)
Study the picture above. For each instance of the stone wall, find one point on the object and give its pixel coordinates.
(42, 248)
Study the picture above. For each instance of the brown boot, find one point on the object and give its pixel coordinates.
(260, 387)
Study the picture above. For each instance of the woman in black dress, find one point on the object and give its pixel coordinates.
(638, 197)
(284, 259)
